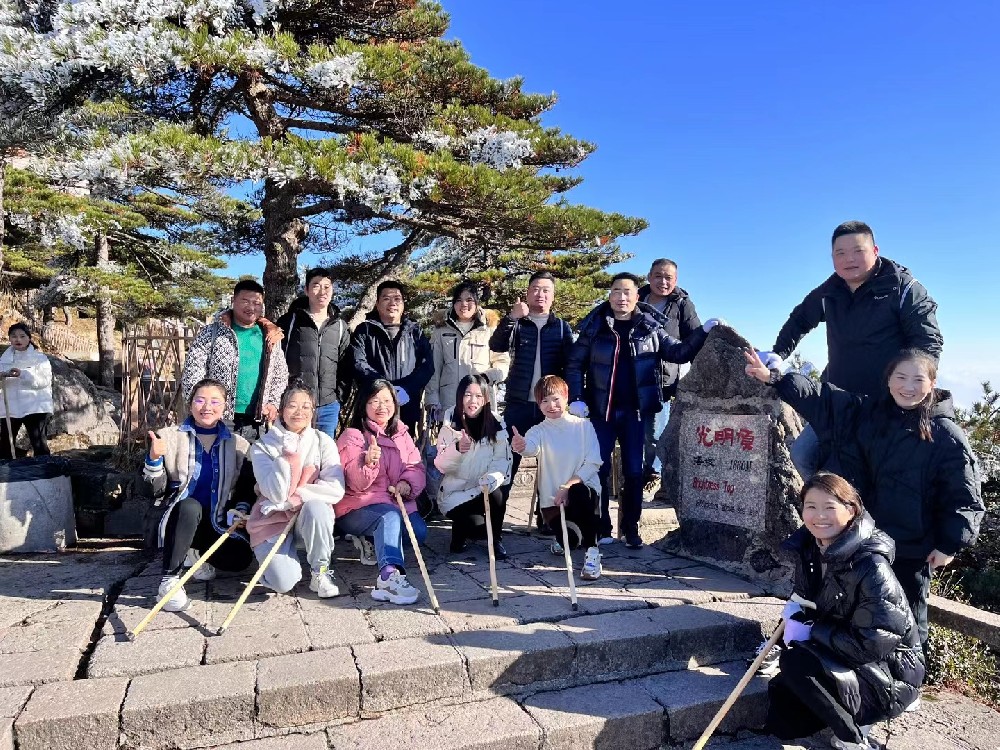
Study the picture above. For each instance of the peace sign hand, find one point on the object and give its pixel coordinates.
(755, 367)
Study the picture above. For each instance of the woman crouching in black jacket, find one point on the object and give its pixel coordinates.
(852, 653)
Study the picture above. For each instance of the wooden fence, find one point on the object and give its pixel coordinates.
(152, 361)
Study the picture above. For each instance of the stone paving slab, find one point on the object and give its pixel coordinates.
(400, 673)
(507, 658)
(246, 641)
(152, 651)
(38, 667)
(70, 715)
(604, 717)
(480, 614)
(315, 687)
(182, 707)
(498, 724)
(721, 585)
(12, 700)
(334, 622)
(6, 734)
(316, 741)
(393, 622)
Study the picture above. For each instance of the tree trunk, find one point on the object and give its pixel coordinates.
(105, 321)
(388, 268)
(283, 236)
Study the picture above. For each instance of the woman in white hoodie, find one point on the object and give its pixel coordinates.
(474, 456)
(27, 380)
(298, 471)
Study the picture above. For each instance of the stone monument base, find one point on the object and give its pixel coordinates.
(36, 506)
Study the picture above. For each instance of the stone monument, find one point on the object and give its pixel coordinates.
(726, 464)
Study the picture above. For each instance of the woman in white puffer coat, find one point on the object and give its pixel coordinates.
(27, 385)
(473, 454)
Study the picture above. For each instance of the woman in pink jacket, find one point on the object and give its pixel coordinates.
(378, 454)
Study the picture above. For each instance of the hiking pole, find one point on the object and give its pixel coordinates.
(257, 575)
(489, 544)
(6, 416)
(184, 579)
(569, 560)
(740, 687)
(416, 550)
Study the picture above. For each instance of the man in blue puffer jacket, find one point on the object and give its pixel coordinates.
(614, 376)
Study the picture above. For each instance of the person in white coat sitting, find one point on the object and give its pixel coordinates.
(475, 458)
(299, 475)
(27, 382)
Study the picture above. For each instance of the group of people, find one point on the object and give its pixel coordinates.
(891, 489)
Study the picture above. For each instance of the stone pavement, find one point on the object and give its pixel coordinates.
(652, 651)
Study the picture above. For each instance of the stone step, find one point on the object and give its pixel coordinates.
(208, 704)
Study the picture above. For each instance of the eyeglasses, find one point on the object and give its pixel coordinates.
(299, 407)
(214, 402)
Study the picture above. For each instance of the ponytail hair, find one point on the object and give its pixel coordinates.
(925, 407)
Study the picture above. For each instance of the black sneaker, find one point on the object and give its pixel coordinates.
(499, 551)
(633, 541)
(769, 666)
(458, 545)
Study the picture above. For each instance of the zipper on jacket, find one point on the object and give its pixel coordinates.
(614, 369)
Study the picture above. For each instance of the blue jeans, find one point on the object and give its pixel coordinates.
(384, 524)
(655, 425)
(419, 529)
(628, 428)
(805, 452)
(327, 417)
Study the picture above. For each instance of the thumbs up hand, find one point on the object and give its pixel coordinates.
(518, 310)
(373, 454)
(157, 446)
(517, 443)
(464, 443)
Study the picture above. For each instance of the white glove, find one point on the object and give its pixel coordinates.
(401, 395)
(790, 609)
(797, 631)
(268, 508)
(711, 323)
(579, 409)
(488, 482)
(771, 360)
(234, 516)
(290, 443)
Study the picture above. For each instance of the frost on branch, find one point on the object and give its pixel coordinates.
(500, 149)
(433, 139)
(337, 73)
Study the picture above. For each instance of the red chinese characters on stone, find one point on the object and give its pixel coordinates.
(726, 436)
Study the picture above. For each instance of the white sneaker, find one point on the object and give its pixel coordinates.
(915, 705)
(556, 548)
(606, 540)
(591, 565)
(323, 583)
(206, 572)
(395, 589)
(366, 550)
(865, 744)
(179, 601)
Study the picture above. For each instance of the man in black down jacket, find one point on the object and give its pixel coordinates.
(681, 320)
(614, 376)
(387, 345)
(317, 347)
(538, 344)
(873, 308)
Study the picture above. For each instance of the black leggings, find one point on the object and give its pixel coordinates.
(581, 509)
(34, 424)
(189, 526)
(803, 699)
(468, 520)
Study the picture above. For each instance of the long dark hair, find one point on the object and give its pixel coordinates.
(297, 386)
(359, 420)
(925, 407)
(487, 426)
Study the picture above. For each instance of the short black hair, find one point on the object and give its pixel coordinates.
(852, 227)
(390, 284)
(625, 275)
(248, 285)
(541, 275)
(662, 262)
(325, 273)
(20, 327)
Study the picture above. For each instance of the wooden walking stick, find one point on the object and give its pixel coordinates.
(257, 575)
(740, 687)
(569, 560)
(6, 416)
(416, 550)
(184, 579)
(493, 558)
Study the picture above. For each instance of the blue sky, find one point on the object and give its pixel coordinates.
(745, 132)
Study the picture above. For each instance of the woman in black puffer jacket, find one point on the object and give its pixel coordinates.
(852, 655)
